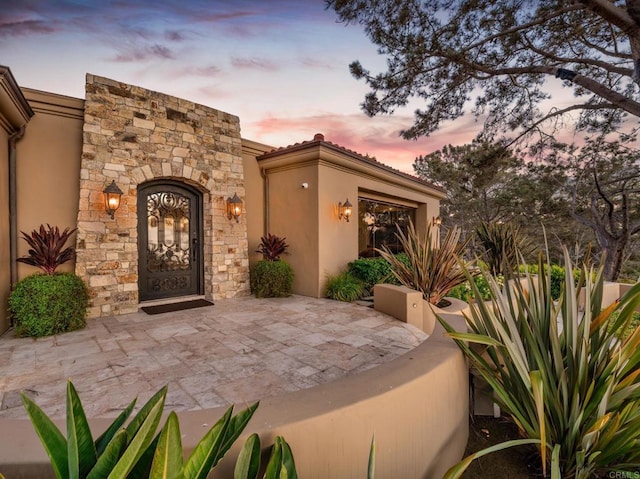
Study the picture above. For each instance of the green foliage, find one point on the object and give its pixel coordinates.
(502, 244)
(137, 451)
(432, 270)
(42, 305)
(467, 294)
(45, 248)
(345, 287)
(372, 271)
(631, 327)
(272, 246)
(557, 276)
(562, 374)
(271, 279)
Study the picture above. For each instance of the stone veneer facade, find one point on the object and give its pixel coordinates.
(133, 135)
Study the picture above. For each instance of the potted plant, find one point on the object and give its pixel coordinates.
(271, 277)
(48, 303)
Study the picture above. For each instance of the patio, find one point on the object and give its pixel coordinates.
(237, 351)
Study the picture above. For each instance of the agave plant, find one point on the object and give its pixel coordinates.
(561, 372)
(46, 246)
(272, 246)
(502, 244)
(429, 268)
(136, 451)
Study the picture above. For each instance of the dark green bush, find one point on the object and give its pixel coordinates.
(42, 304)
(271, 279)
(345, 287)
(372, 271)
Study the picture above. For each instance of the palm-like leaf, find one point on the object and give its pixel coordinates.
(248, 462)
(167, 461)
(431, 268)
(560, 370)
(46, 248)
(502, 244)
(81, 450)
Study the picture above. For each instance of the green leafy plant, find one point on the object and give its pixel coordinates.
(557, 274)
(372, 271)
(564, 376)
(502, 243)
(46, 248)
(430, 268)
(42, 305)
(345, 287)
(271, 279)
(272, 246)
(135, 450)
(467, 294)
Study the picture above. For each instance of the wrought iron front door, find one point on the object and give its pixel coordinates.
(169, 241)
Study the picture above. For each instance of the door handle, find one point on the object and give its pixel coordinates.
(194, 248)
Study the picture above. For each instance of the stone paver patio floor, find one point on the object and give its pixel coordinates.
(237, 351)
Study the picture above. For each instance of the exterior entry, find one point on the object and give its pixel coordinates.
(170, 260)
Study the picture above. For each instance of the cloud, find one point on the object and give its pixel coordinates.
(174, 36)
(317, 63)
(25, 27)
(254, 63)
(193, 71)
(377, 137)
(143, 53)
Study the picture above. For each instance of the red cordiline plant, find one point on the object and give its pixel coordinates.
(272, 246)
(46, 248)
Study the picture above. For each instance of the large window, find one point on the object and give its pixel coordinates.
(377, 222)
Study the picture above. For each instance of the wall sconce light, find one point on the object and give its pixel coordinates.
(345, 210)
(112, 195)
(234, 207)
(436, 221)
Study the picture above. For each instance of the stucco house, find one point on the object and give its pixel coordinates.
(180, 166)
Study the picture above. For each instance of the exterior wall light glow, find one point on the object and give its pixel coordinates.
(234, 207)
(112, 196)
(436, 221)
(344, 210)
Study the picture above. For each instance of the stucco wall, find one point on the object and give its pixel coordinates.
(48, 168)
(321, 244)
(5, 279)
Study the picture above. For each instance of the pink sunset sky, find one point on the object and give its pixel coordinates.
(280, 65)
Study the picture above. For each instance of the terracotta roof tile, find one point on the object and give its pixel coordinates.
(318, 138)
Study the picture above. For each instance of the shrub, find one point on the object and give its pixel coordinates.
(556, 273)
(135, 450)
(563, 375)
(42, 305)
(345, 287)
(271, 247)
(271, 279)
(46, 246)
(429, 268)
(467, 294)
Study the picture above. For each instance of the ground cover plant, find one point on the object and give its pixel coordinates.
(563, 375)
(136, 450)
(345, 287)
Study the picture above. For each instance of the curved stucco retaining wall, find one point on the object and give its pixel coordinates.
(416, 405)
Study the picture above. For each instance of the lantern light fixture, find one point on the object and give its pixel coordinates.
(344, 210)
(234, 207)
(112, 197)
(436, 221)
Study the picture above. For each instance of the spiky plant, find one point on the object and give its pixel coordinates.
(428, 267)
(566, 375)
(501, 244)
(272, 246)
(46, 248)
